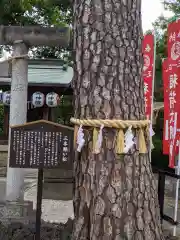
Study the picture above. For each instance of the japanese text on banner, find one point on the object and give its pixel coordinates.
(148, 72)
(174, 88)
(173, 110)
(174, 41)
(165, 68)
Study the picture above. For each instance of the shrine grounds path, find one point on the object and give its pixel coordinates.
(57, 203)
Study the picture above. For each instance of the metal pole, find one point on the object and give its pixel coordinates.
(177, 194)
(152, 101)
(40, 189)
(39, 204)
(161, 187)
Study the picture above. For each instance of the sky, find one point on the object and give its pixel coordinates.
(151, 10)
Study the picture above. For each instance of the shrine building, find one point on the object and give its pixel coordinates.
(44, 76)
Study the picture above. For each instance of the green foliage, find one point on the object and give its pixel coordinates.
(38, 12)
(26, 12)
(161, 37)
(173, 5)
(148, 32)
(64, 111)
(161, 26)
(158, 158)
(161, 23)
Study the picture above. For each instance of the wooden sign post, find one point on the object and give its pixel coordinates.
(41, 144)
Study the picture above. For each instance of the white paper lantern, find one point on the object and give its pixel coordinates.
(38, 99)
(52, 99)
(7, 98)
(1, 96)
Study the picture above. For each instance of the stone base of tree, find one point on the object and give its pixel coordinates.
(16, 212)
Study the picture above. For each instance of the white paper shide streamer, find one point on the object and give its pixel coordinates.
(99, 140)
(80, 139)
(129, 140)
(152, 133)
(5, 56)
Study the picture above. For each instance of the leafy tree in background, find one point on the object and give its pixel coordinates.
(161, 26)
(42, 12)
(161, 31)
(38, 12)
(173, 5)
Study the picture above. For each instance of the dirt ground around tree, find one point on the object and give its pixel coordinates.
(60, 208)
(57, 205)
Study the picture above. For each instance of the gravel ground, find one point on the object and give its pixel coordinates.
(52, 210)
(57, 203)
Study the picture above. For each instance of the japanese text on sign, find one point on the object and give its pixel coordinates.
(42, 147)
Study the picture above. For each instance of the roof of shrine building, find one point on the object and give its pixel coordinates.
(40, 72)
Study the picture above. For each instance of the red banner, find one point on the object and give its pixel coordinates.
(165, 68)
(148, 72)
(169, 73)
(173, 89)
(174, 41)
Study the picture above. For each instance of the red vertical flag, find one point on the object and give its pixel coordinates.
(165, 68)
(148, 72)
(173, 112)
(174, 41)
(173, 88)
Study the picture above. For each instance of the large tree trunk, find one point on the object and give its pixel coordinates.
(115, 196)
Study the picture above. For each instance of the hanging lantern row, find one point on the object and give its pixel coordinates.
(6, 98)
(38, 99)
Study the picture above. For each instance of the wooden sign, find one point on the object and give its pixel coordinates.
(41, 144)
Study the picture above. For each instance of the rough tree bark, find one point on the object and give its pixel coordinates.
(115, 196)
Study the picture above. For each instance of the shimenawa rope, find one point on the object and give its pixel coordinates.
(141, 126)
